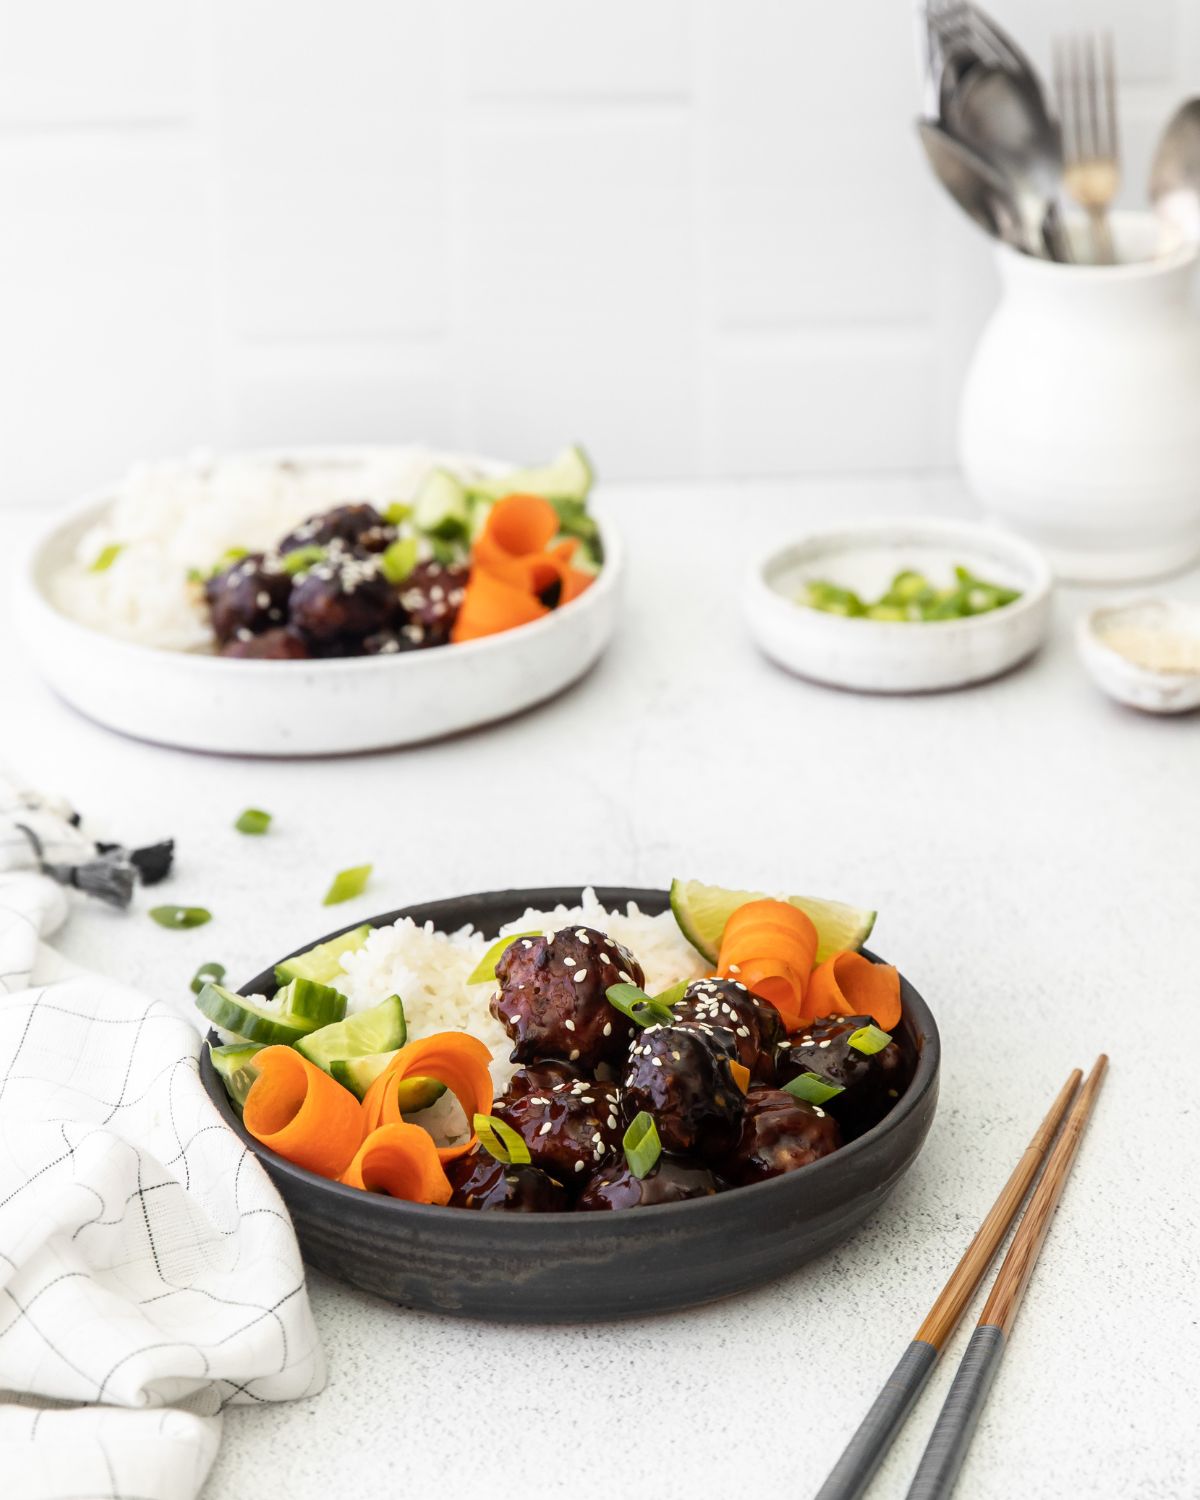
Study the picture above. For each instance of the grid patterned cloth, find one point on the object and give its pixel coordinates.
(149, 1275)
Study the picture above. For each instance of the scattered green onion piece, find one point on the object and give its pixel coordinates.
(501, 1141)
(207, 974)
(673, 995)
(180, 916)
(396, 512)
(485, 969)
(399, 559)
(812, 1088)
(446, 552)
(194, 575)
(634, 1002)
(642, 1145)
(105, 558)
(301, 558)
(868, 1040)
(347, 884)
(253, 820)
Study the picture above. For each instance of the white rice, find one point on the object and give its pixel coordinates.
(428, 969)
(169, 517)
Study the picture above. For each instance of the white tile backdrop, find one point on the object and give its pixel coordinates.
(697, 235)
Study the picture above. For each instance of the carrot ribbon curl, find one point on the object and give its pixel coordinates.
(512, 564)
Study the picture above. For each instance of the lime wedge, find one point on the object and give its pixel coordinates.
(702, 911)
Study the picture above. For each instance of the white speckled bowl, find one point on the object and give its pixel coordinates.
(300, 708)
(1141, 687)
(886, 656)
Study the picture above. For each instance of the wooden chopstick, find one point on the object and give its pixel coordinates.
(864, 1452)
(938, 1470)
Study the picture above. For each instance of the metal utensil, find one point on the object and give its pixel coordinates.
(1085, 81)
(979, 190)
(989, 197)
(991, 100)
(1175, 172)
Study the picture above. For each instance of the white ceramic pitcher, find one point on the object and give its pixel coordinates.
(1080, 418)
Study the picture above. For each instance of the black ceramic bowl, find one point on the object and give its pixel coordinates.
(564, 1268)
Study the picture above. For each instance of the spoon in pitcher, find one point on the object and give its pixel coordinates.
(1175, 172)
(982, 192)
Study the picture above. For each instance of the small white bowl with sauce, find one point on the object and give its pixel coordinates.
(898, 656)
(1145, 654)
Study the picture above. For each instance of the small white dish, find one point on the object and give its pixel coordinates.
(886, 656)
(301, 708)
(1121, 647)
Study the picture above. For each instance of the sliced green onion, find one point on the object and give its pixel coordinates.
(105, 558)
(642, 1145)
(207, 974)
(673, 995)
(253, 820)
(501, 1141)
(868, 1040)
(347, 884)
(227, 559)
(301, 558)
(485, 969)
(396, 512)
(833, 600)
(180, 916)
(812, 1088)
(399, 559)
(634, 1002)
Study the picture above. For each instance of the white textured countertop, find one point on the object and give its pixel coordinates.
(1034, 854)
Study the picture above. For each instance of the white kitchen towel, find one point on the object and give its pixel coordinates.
(149, 1275)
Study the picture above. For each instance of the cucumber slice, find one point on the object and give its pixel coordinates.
(440, 508)
(380, 1029)
(307, 1000)
(253, 1023)
(702, 911)
(416, 1094)
(358, 1074)
(567, 477)
(322, 963)
(236, 1068)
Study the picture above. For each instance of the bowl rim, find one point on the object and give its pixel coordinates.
(860, 531)
(924, 1079)
(62, 519)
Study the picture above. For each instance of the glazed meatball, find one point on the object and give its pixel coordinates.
(480, 1181)
(778, 1135)
(249, 596)
(681, 1075)
(552, 997)
(342, 599)
(278, 644)
(430, 597)
(749, 1028)
(388, 642)
(540, 1078)
(570, 1129)
(871, 1083)
(671, 1180)
(357, 526)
